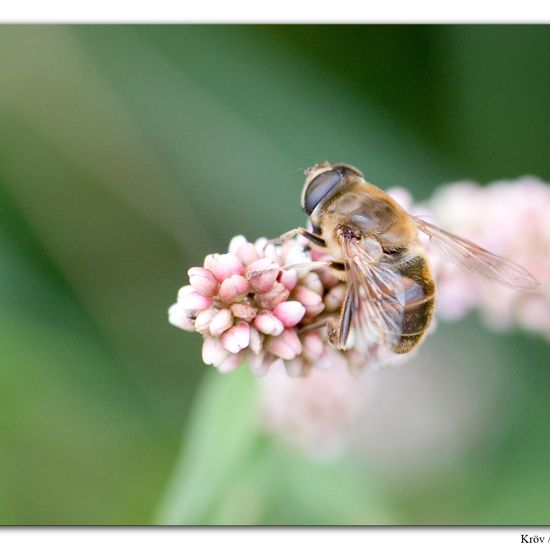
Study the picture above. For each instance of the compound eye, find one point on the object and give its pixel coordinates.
(349, 169)
(318, 188)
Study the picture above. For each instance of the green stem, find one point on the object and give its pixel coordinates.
(221, 435)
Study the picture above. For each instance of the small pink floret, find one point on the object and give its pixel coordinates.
(202, 321)
(237, 338)
(307, 296)
(203, 281)
(314, 345)
(213, 352)
(312, 301)
(244, 311)
(193, 301)
(221, 321)
(289, 313)
(209, 261)
(184, 291)
(235, 243)
(275, 295)
(230, 363)
(288, 278)
(268, 324)
(234, 287)
(313, 282)
(335, 297)
(178, 317)
(262, 274)
(224, 265)
(256, 340)
(328, 278)
(247, 253)
(286, 346)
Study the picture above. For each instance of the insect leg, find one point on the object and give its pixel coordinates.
(338, 334)
(313, 265)
(311, 237)
(309, 265)
(312, 326)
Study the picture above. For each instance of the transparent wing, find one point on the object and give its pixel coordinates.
(472, 257)
(378, 303)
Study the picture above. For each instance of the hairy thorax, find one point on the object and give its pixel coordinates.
(364, 212)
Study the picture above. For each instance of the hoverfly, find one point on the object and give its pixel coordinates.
(374, 246)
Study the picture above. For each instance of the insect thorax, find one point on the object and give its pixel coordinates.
(356, 213)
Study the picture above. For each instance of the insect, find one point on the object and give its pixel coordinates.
(374, 246)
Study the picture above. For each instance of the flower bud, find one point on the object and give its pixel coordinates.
(237, 338)
(243, 311)
(247, 253)
(296, 255)
(313, 345)
(271, 252)
(209, 261)
(223, 265)
(202, 321)
(313, 311)
(317, 254)
(268, 324)
(235, 243)
(260, 245)
(193, 301)
(221, 322)
(313, 282)
(328, 278)
(277, 294)
(286, 346)
(184, 291)
(256, 340)
(213, 352)
(312, 301)
(179, 317)
(307, 296)
(262, 274)
(230, 363)
(289, 313)
(288, 278)
(233, 288)
(335, 298)
(203, 281)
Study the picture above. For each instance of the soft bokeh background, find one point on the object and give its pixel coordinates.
(128, 153)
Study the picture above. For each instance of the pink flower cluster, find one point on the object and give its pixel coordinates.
(250, 307)
(511, 219)
(318, 414)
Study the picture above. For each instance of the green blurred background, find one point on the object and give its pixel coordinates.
(129, 152)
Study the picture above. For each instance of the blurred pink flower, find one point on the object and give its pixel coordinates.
(318, 414)
(511, 219)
